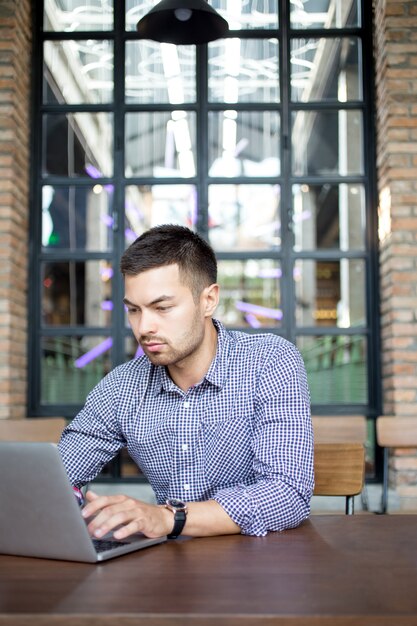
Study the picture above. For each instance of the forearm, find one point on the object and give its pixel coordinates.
(268, 505)
(208, 518)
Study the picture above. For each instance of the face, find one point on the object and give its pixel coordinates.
(165, 319)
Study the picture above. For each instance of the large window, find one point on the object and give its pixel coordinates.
(261, 141)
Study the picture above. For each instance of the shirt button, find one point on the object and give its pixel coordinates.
(184, 446)
(186, 404)
(187, 487)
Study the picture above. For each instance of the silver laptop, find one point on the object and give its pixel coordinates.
(39, 514)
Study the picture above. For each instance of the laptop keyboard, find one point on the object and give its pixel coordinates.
(101, 545)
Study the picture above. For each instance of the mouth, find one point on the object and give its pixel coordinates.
(152, 347)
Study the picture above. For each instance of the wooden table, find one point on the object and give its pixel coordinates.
(334, 570)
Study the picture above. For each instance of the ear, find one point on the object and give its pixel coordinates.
(210, 299)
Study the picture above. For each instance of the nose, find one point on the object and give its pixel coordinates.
(144, 324)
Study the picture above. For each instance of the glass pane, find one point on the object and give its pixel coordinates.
(329, 216)
(336, 368)
(250, 293)
(251, 15)
(78, 15)
(325, 69)
(71, 366)
(76, 72)
(330, 293)
(78, 218)
(77, 144)
(161, 144)
(148, 206)
(244, 143)
(243, 70)
(325, 13)
(160, 73)
(76, 293)
(239, 14)
(327, 142)
(244, 217)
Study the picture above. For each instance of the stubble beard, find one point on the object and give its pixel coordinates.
(190, 342)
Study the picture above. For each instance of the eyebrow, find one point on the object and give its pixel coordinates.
(162, 298)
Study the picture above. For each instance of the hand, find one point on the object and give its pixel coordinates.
(126, 515)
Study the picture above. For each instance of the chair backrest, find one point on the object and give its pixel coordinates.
(396, 432)
(393, 432)
(339, 429)
(339, 470)
(32, 429)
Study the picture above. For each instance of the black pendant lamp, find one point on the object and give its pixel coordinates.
(182, 22)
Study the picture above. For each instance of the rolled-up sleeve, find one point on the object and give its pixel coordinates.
(282, 452)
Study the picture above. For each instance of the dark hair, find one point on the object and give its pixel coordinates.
(169, 244)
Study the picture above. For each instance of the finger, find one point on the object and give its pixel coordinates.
(125, 531)
(91, 495)
(121, 519)
(98, 503)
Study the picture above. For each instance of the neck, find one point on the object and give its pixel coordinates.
(191, 371)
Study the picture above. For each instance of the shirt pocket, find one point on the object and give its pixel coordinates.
(227, 450)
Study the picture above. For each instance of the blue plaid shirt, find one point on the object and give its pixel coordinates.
(242, 436)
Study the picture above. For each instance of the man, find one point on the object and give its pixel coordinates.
(218, 421)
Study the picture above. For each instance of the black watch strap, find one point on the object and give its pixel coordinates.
(179, 523)
(179, 509)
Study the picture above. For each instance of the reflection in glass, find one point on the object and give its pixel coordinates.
(325, 14)
(72, 366)
(336, 368)
(76, 293)
(244, 143)
(243, 70)
(78, 15)
(329, 216)
(244, 217)
(249, 293)
(325, 69)
(251, 15)
(327, 142)
(330, 293)
(76, 72)
(160, 73)
(147, 206)
(77, 218)
(77, 144)
(161, 144)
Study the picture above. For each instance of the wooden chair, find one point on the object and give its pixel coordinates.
(32, 429)
(339, 470)
(342, 429)
(393, 432)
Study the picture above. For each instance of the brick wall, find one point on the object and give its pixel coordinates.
(396, 82)
(15, 60)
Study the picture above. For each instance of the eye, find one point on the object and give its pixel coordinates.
(163, 308)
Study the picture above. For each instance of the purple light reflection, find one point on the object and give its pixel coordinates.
(93, 171)
(94, 353)
(107, 305)
(256, 309)
(107, 220)
(270, 272)
(252, 320)
(130, 235)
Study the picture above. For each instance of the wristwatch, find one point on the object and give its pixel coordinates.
(179, 510)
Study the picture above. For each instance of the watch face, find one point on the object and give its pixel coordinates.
(176, 504)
